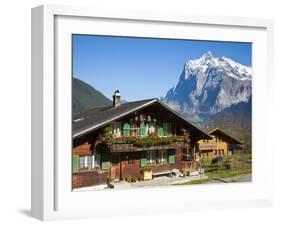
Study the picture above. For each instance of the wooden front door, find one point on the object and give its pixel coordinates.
(115, 166)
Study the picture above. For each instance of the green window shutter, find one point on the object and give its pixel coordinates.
(126, 129)
(75, 163)
(143, 159)
(160, 132)
(167, 128)
(171, 157)
(105, 165)
(105, 161)
(142, 129)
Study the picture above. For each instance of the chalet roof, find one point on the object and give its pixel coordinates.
(96, 118)
(220, 132)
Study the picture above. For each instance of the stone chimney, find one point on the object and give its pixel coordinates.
(116, 99)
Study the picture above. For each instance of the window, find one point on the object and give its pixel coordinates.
(131, 160)
(115, 159)
(87, 162)
(90, 161)
(167, 127)
(96, 160)
(117, 128)
(189, 152)
(82, 162)
(171, 156)
(151, 128)
(151, 157)
(134, 130)
(162, 156)
(126, 129)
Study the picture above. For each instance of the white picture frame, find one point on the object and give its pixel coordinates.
(51, 97)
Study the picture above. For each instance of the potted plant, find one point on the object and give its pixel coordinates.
(108, 182)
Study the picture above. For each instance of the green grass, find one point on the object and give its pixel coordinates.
(242, 164)
(227, 173)
(218, 175)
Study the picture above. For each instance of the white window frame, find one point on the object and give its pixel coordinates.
(162, 156)
(117, 129)
(97, 160)
(151, 157)
(85, 162)
(81, 162)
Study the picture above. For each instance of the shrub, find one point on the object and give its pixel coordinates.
(133, 179)
(217, 159)
(110, 186)
(227, 162)
(128, 178)
(108, 182)
(186, 173)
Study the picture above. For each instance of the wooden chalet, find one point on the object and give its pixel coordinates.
(129, 140)
(221, 144)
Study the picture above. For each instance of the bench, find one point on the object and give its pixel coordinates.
(161, 173)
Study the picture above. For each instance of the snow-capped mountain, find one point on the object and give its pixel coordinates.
(209, 85)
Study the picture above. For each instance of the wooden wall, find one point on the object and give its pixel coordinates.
(89, 178)
(127, 168)
(218, 145)
(83, 149)
(134, 169)
(84, 145)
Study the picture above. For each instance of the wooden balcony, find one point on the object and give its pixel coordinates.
(207, 146)
(132, 148)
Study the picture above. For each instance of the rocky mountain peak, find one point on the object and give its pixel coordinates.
(209, 85)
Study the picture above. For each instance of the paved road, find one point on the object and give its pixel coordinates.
(239, 178)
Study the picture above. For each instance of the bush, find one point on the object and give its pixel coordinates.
(186, 173)
(108, 182)
(110, 186)
(227, 162)
(128, 178)
(217, 159)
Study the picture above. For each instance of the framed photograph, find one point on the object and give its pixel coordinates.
(137, 112)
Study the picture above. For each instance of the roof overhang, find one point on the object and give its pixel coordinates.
(223, 133)
(106, 122)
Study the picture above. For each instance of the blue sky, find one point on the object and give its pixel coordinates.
(143, 68)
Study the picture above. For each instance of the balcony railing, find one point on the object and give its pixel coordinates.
(132, 148)
(207, 146)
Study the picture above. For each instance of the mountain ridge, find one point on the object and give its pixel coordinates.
(84, 97)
